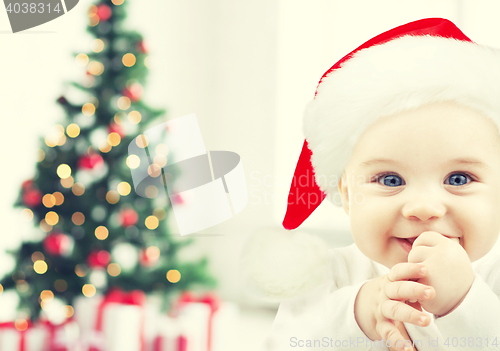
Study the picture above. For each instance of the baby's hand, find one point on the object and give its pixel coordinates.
(388, 308)
(450, 270)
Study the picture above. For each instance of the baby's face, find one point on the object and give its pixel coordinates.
(433, 169)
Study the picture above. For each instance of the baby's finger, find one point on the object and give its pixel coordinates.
(392, 335)
(400, 311)
(406, 270)
(409, 290)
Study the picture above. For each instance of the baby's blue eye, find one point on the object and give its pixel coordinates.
(458, 179)
(391, 180)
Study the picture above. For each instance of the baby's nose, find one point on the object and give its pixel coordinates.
(423, 208)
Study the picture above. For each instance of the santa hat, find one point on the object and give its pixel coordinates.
(420, 62)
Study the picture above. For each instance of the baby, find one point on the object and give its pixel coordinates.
(403, 133)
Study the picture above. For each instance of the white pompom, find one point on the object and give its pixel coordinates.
(280, 264)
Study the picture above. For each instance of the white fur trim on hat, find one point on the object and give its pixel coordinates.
(278, 264)
(390, 78)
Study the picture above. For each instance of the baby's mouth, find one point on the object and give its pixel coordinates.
(411, 240)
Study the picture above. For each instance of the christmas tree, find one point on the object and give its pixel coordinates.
(97, 232)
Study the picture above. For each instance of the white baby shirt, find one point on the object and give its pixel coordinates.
(323, 319)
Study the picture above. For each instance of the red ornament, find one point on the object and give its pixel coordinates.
(32, 197)
(27, 184)
(116, 128)
(103, 12)
(62, 100)
(128, 217)
(141, 46)
(133, 92)
(147, 260)
(57, 244)
(98, 259)
(177, 199)
(90, 161)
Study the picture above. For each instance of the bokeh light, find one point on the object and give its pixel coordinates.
(70, 311)
(82, 60)
(153, 252)
(28, 214)
(63, 171)
(67, 182)
(142, 141)
(93, 18)
(173, 276)
(151, 222)
(50, 141)
(105, 146)
(37, 256)
(114, 139)
(40, 267)
(21, 324)
(133, 161)
(151, 191)
(124, 188)
(59, 198)
(44, 226)
(78, 218)
(114, 269)
(154, 170)
(49, 200)
(160, 161)
(73, 130)
(123, 103)
(46, 295)
(81, 270)
(134, 117)
(51, 218)
(88, 290)
(95, 68)
(78, 189)
(161, 150)
(88, 109)
(97, 45)
(41, 155)
(128, 60)
(112, 197)
(101, 232)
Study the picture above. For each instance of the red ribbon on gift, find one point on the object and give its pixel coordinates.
(116, 295)
(52, 333)
(181, 343)
(210, 299)
(12, 325)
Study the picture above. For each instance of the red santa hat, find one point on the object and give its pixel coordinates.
(406, 67)
(420, 62)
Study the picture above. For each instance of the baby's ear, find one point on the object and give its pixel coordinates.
(343, 191)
